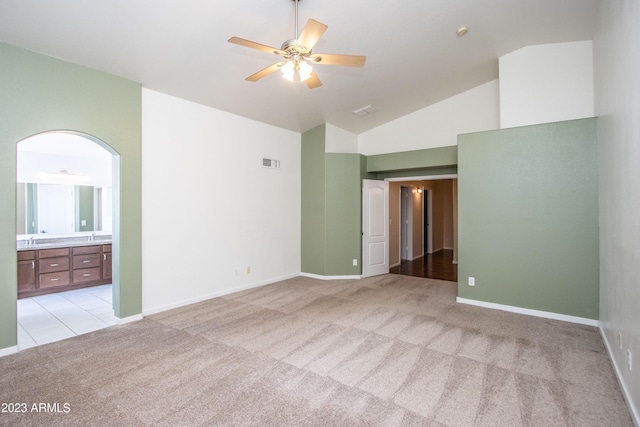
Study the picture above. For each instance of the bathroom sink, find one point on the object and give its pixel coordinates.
(34, 246)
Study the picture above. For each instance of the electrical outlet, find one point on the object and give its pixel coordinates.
(248, 269)
(472, 281)
(629, 359)
(355, 262)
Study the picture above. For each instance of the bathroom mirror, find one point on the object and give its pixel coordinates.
(60, 208)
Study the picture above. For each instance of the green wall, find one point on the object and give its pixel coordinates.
(332, 198)
(32, 213)
(41, 94)
(344, 214)
(417, 160)
(528, 217)
(84, 209)
(313, 197)
(331, 208)
(527, 212)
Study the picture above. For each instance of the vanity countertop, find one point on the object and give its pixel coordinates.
(64, 242)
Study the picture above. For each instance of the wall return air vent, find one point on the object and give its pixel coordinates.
(271, 163)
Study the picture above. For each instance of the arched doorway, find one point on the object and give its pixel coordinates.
(65, 182)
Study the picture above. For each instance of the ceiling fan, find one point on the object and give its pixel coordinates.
(297, 56)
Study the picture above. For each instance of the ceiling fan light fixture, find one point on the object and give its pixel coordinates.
(296, 71)
(288, 71)
(305, 70)
(296, 62)
(63, 176)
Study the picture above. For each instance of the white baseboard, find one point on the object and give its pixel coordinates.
(395, 265)
(529, 312)
(417, 257)
(635, 414)
(9, 350)
(319, 277)
(129, 319)
(154, 310)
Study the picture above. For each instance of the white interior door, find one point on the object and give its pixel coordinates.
(375, 227)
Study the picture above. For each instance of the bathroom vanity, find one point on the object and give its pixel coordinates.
(63, 264)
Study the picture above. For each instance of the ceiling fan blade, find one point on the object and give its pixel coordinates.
(254, 45)
(310, 34)
(313, 81)
(335, 59)
(264, 72)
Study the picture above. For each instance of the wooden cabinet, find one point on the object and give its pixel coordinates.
(26, 270)
(106, 262)
(86, 264)
(54, 270)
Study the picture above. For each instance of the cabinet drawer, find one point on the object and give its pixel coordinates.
(52, 253)
(26, 255)
(86, 250)
(85, 261)
(106, 248)
(50, 265)
(54, 279)
(86, 275)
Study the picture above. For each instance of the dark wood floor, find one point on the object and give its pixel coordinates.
(438, 265)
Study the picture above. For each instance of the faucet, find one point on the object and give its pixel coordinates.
(31, 242)
(92, 237)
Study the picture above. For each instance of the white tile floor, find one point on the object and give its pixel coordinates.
(54, 317)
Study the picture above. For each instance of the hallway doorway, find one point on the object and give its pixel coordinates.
(423, 227)
(437, 265)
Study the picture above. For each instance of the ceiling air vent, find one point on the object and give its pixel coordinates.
(271, 163)
(365, 111)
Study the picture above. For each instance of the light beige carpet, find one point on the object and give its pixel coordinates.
(385, 351)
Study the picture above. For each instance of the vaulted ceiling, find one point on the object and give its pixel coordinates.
(414, 57)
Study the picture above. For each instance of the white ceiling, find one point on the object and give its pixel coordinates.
(414, 57)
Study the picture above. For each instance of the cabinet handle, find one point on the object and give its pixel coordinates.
(54, 265)
(55, 279)
(86, 260)
(86, 275)
(104, 257)
(33, 264)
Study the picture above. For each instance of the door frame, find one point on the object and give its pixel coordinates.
(406, 223)
(427, 221)
(430, 207)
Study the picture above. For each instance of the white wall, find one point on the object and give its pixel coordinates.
(546, 83)
(56, 151)
(437, 125)
(617, 99)
(209, 207)
(95, 171)
(338, 140)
